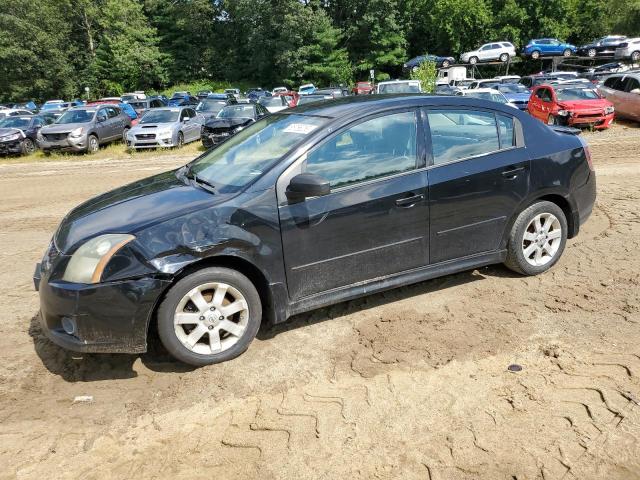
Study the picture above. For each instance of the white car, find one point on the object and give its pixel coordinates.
(277, 90)
(306, 89)
(508, 78)
(487, 94)
(630, 48)
(484, 83)
(274, 104)
(399, 86)
(462, 83)
(488, 52)
(233, 91)
(12, 112)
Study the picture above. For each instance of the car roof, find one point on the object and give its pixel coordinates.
(480, 90)
(364, 104)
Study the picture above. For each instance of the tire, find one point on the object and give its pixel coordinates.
(47, 153)
(473, 60)
(180, 142)
(522, 252)
(591, 52)
(209, 319)
(124, 134)
(567, 52)
(535, 54)
(92, 144)
(504, 58)
(552, 120)
(28, 146)
(446, 64)
(635, 57)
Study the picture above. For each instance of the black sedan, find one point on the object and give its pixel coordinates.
(310, 207)
(605, 46)
(18, 134)
(415, 62)
(229, 121)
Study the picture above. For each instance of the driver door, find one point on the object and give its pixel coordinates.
(375, 220)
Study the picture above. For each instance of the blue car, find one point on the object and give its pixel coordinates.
(516, 93)
(547, 47)
(129, 110)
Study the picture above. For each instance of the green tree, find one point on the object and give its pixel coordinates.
(427, 73)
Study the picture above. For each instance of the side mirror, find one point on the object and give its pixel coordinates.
(307, 185)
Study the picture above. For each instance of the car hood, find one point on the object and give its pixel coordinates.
(9, 131)
(517, 97)
(132, 208)
(152, 127)
(228, 122)
(585, 104)
(63, 128)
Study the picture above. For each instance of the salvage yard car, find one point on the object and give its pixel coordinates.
(229, 121)
(623, 91)
(571, 105)
(84, 129)
(502, 51)
(166, 127)
(18, 134)
(399, 86)
(310, 207)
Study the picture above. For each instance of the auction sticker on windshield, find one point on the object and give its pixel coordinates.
(303, 128)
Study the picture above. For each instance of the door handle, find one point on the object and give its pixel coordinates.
(512, 172)
(409, 201)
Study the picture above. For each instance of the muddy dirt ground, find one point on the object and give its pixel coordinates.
(411, 383)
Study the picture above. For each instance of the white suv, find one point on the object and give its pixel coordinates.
(502, 51)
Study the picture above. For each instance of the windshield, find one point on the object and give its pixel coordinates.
(237, 111)
(210, 106)
(309, 99)
(230, 90)
(160, 116)
(271, 101)
(126, 98)
(52, 106)
(76, 116)
(15, 122)
(513, 88)
(179, 94)
(464, 83)
(400, 88)
(568, 94)
(488, 84)
(252, 151)
(307, 89)
(494, 97)
(138, 105)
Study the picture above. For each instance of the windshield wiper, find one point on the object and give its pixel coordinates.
(190, 174)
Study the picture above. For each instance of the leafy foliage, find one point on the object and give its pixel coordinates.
(55, 48)
(427, 73)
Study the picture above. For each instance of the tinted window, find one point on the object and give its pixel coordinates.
(526, 82)
(544, 94)
(372, 149)
(613, 83)
(457, 134)
(630, 84)
(112, 112)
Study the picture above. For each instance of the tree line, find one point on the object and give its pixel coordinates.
(56, 48)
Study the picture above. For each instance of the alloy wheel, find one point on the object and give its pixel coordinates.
(124, 135)
(591, 52)
(211, 318)
(535, 55)
(542, 239)
(93, 144)
(567, 53)
(28, 147)
(635, 57)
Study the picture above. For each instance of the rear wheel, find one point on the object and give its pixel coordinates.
(635, 57)
(28, 146)
(537, 239)
(591, 52)
(504, 58)
(446, 64)
(535, 54)
(209, 316)
(92, 144)
(566, 53)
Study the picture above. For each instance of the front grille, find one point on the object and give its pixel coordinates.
(589, 115)
(146, 136)
(55, 137)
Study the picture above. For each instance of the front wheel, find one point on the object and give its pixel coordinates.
(537, 239)
(535, 54)
(446, 64)
(566, 53)
(552, 120)
(210, 316)
(124, 134)
(92, 144)
(180, 142)
(635, 57)
(591, 52)
(28, 146)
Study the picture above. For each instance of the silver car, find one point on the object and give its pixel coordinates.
(630, 49)
(84, 129)
(166, 127)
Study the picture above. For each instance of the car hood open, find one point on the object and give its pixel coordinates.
(133, 207)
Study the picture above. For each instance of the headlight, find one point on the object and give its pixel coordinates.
(88, 262)
(9, 138)
(76, 133)
(563, 113)
(609, 110)
(238, 129)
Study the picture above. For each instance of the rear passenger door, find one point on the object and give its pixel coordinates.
(478, 176)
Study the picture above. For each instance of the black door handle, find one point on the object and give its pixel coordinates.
(512, 172)
(409, 201)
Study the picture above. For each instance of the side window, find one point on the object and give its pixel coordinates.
(613, 83)
(191, 113)
(631, 84)
(458, 134)
(113, 112)
(372, 149)
(102, 114)
(507, 132)
(37, 123)
(544, 94)
(184, 114)
(526, 81)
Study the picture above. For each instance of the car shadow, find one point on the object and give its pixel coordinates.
(79, 367)
(383, 298)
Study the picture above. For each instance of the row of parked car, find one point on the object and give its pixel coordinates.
(618, 46)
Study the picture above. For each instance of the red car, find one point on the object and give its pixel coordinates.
(290, 97)
(363, 88)
(570, 105)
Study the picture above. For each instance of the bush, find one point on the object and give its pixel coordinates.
(427, 73)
